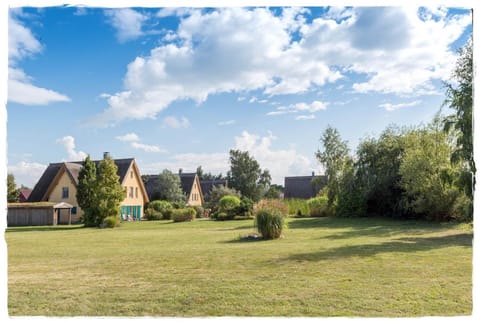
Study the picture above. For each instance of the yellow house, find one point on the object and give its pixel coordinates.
(191, 188)
(59, 184)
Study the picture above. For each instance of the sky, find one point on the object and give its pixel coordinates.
(180, 87)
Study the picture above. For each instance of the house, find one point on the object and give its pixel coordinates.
(189, 183)
(60, 180)
(304, 187)
(207, 185)
(191, 188)
(23, 194)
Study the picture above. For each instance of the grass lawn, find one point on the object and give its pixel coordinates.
(322, 267)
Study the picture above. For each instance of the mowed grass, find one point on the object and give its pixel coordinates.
(322, 267)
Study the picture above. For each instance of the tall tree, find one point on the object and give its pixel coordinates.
(86, 192)
(459, 97)
(246, 176)
(334, 158)
(12, 191)
(169, 187)
(109, 190)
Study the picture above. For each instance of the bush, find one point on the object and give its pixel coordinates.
(185, 214)
(179, 204)
(151, 214)
(199, 211)
(160, 205)
(272, 205)
(270, 224)
(228, 203)
(110, 222)
(245, 209)
(222, 216)
(318, 206)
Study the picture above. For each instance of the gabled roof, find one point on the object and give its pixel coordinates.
(186, 181)
(303, 187)
(150, 181)
(207, 185)
(73, 169)
(24, 194)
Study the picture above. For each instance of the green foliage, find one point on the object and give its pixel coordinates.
(185, 214)
(199, 211)
(160, 205)
(246, 176)
(297, 207)
(428, 176)
(245, 209)
(87, 192)
(217, 193)
(12, 191)
(152, 214)
(169, 187)
(273, 192)
(318, 206)
(333, 157)
(229, 203)
(270, 223)
(110, 222)
(109, 192)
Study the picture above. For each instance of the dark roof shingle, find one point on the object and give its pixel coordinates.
(303, 187)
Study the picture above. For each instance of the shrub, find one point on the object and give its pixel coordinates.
(199, 211)
(272, 205)
(318, 206)
(151, 214)
(245, 209)
(228, 203)
(179, 204)
(160, 205)
(222, 216)
(185, 214)
(270, 223)
(110, 222)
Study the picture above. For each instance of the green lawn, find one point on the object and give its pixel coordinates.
(322, 267)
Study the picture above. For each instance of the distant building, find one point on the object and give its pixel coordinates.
(23, 194)
(207, 185)
(59, 184)
(304, 187)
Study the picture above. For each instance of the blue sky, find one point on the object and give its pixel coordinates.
(180, 87)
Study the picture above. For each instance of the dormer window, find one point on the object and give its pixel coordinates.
(65, 193)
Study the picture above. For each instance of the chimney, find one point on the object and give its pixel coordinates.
(180, 171)
(106, 155)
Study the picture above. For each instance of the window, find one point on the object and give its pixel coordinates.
(64, 192)
(131, 174)
(131, 192)
(136, 192)
(74, 210)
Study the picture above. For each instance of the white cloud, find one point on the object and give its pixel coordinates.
(27, 173)
(21, 44)
(225, 123)
(127, 22)
(280, 163)
(68, 143)
(128, 137)
(305, 117)
(393, 107)
(173, 122)
(395, 50)
(134, 139)
(303, 107)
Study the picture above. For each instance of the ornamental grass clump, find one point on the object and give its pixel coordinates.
(270, 224)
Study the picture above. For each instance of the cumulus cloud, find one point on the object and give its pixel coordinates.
(127, 22)
(280, 163)
(176, 123)
(26, 173)
(305, 117)
(396, 50)
(393, 107)
(68, 143)
(134, 139)
(22, 44)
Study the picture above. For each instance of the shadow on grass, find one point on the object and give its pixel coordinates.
(401, 245)
(18, 229)
(360, 227)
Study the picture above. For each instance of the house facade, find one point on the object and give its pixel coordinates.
(191, 188)
(60, 180)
